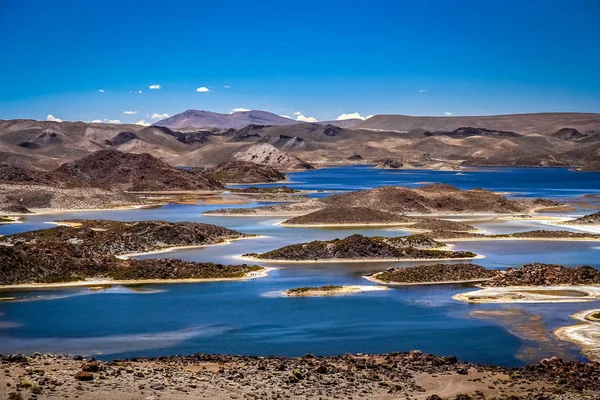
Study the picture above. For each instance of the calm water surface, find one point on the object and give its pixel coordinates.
(253, 318)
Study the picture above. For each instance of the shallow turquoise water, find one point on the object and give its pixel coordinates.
(252, 318)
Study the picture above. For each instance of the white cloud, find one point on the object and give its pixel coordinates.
(96, 121)
(143, 123)
(352, 116)
(422, 90)
(202, 89)
(139, 91)
(285, 116)
(113, 121)
(129, 112)
(227, 87)
(305, 119)
(239, 109)
(159, 116)
(101, 90)
(52, 118)
(297, 113)
(447, 113)
(155, 87)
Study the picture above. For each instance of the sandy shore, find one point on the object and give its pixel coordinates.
(354, 260)
(175, 248)
(585, 334)
(342, 225)
(51, 211)
(487, 239)
(109, 282)
(531, 294)
(337, 291)
(373, 278)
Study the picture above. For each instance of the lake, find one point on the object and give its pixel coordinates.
(252, 317)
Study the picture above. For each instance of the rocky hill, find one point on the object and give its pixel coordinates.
(587, 219)
(243, 172)
(266, 154)
(348, 216)
(356, 247)
(435, 273)
(430, 199)
(132, 172)
(546, 275)
(87, 249)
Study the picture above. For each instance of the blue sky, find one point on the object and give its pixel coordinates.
(320, 58)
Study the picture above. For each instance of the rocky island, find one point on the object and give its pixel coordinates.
(430, 199)
(347, 216)
(359, 248)
(331, 290)
(433, 274)
(455, 236)
(84, 252)
(538, 282)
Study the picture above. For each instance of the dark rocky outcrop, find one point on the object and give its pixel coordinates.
(122, 138)
(355, 157)
(466, 131)
(391, 164)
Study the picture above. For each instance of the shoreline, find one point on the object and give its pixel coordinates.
(132, 282)
(372, 278)
(527, 294)
(344, 290)
(342, 225)
(194, 246)
(52, 211)
(585, 334)
(354, 260)
(522, 239)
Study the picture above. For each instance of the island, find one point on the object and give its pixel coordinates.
(433, 274)
(331, 290)
(456, 236)
(347, 216)
(434, 199)
(538, 283)
(358, 248)
(91, 252)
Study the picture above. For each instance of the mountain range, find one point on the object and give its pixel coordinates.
(205, 139)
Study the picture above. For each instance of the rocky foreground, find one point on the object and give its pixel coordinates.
(87, 250)
(412, 375)
(357, 247)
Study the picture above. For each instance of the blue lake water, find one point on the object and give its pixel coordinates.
(253, 318)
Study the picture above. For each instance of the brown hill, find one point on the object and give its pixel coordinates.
(132, 172)
(521, 123)
(243, 172)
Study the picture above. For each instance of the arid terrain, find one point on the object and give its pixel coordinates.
(203, 139)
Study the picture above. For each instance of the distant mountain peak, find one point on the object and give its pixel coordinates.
(208, 119)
